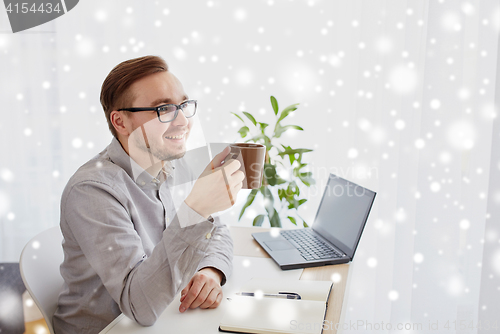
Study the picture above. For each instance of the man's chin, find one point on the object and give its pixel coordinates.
(167, 156)
(177, 156)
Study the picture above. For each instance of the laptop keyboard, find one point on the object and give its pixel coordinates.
(310, 247)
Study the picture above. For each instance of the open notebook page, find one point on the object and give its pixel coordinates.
(268, 315)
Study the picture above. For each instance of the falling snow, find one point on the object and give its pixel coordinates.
(402, 103)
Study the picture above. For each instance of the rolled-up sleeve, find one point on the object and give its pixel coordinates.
(219, 253)
(142, 286)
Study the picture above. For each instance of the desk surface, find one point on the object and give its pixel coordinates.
(245, 245)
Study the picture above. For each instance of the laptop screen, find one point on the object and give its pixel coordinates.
(343, 212)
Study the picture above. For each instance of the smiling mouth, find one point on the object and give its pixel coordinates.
(178, 137)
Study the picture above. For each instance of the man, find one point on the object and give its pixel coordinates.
(131, 242)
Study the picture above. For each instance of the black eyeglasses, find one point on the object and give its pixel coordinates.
(168, 112)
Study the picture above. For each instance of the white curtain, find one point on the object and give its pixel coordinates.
(398, 96)
(416, 112)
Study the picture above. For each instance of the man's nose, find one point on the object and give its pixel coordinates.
(180, 120)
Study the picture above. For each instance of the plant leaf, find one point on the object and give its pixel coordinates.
(281, 194)
(304, 223)
(292, 219)
(293, 189)
(249, 201)
(279, 162)
(269, 204)
(263, 127)
(238, 117)
(293, 203)
(258, 220)
(280, 129)
(302, 201)
(274, 103)
(250, 117)
(274, 219)
(271, 175)
(261, 137)
(300, 165)
(306, 178)
(243, 131)
(283, 153)
(256, 138)
(289, 150)
(288, 110)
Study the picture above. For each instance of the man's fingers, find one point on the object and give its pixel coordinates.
(228, 187)
(231, 167)
(191, 294)
(186, 289)
(237, 182)
(211, 299)
(234, 192)
(202, 296)
(218, 301)
(238, 177)
(237, 188)
(219, 157)
(204, 292)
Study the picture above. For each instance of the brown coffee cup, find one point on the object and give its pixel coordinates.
(251, 156)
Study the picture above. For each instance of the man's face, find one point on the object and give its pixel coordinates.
(152, 91)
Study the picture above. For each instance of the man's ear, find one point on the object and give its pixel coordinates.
(120, 122)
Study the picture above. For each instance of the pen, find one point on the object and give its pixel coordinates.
(287, 295)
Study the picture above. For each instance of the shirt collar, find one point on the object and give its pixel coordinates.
(132, 168)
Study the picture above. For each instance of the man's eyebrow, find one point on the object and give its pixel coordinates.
(167, 101)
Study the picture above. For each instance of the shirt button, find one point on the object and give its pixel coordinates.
(209, 235)
(143, 183)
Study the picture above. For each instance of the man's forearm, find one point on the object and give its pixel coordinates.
(152, 285)
(219, 254)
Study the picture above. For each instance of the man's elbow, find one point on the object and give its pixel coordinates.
(145, 319)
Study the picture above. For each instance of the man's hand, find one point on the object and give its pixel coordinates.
(217, 186)
(203, 290)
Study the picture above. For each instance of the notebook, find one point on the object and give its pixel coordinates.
(334, 235)
(261, 314)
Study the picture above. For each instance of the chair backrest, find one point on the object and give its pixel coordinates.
(39, 264)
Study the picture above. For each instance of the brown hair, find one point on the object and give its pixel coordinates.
(115, 92)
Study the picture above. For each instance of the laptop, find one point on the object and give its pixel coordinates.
(334, 236)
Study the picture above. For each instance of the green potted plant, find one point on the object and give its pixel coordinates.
(288, 158)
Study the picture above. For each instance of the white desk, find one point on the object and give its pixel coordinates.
(205, 320)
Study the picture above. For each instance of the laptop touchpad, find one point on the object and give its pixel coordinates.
(279, 245)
